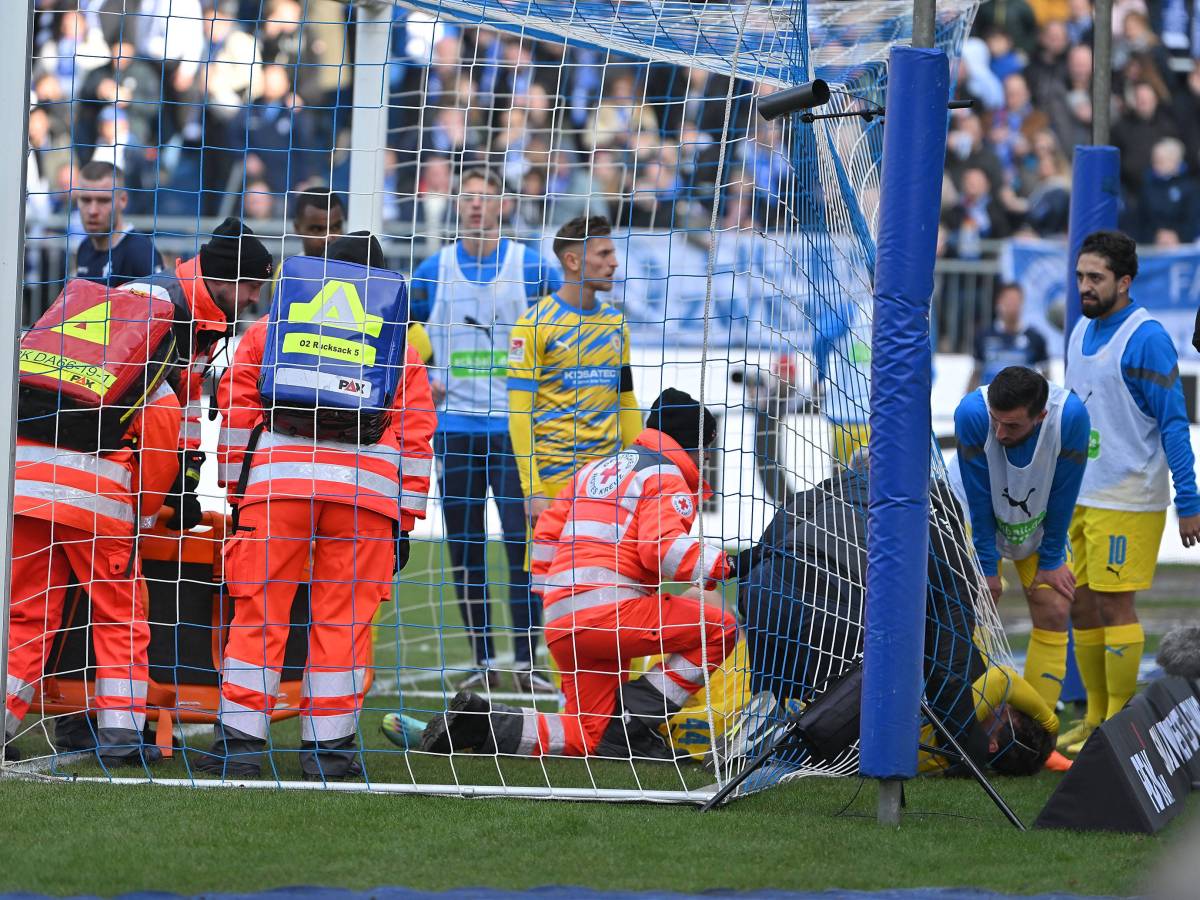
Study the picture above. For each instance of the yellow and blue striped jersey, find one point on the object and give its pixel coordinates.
(575, 363)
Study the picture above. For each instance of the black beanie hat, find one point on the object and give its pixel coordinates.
(360, 247)
(234, 252)
(677, 415)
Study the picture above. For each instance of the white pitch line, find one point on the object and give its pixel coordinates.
(502, 696)
(386, 681)
(44, 763)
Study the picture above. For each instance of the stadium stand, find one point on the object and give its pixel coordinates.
(460, 95)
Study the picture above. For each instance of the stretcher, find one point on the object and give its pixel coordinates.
(189, 616)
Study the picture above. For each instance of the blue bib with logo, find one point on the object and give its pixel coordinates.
(334, 354)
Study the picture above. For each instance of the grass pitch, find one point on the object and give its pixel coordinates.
(813, 834)
(98, 839)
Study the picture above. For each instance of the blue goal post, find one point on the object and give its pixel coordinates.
(914, 148)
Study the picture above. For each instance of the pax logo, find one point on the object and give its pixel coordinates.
(353, 386)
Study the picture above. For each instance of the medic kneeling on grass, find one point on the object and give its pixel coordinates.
(600, 554)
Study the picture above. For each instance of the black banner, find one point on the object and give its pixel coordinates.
(1137, 769)
(1176, 734)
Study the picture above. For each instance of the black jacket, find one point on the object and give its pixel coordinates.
(802, 592)
(1169, 203)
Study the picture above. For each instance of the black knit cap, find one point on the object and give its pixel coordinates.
(234, 252)
(360, 247)
(677, 415)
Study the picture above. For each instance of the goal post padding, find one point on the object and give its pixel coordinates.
(1095, 203)
(914, 147)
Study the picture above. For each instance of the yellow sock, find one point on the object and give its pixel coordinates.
(1122, 656)
(1046, 663)
(1089, 656)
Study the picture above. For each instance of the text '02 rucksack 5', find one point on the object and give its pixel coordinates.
(90, 363)
(334, 355)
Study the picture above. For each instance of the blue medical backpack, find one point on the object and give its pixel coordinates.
(334, 354)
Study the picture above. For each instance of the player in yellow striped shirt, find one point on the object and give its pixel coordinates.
(570, 386)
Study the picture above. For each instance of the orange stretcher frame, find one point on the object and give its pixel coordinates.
(168, 704)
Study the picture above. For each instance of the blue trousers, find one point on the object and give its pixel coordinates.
(468, 464)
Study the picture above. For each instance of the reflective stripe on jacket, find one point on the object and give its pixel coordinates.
(621, 529)
(206, 325)
(106, 493)
(390, 477)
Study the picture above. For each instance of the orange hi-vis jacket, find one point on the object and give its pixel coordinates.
(209, 325)
(390, 477)
(103, 493)
(621, 529)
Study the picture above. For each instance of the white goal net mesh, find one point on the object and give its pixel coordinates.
(744, 255)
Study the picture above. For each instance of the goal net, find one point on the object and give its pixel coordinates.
(745, 254)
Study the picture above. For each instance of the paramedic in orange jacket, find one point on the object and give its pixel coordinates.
(76, 514)
(347, 501)
(600, 553)
(212, 292)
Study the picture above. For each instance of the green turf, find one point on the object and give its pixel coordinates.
(86, 838)
(384, 763)
(101, 839)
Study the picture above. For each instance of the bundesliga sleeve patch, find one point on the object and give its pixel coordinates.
(683, 504)
(516, 350)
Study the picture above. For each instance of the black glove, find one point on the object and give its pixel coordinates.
(1196, 333)
(742, 563)
(187, 514)
(182, 496)
(402, 552)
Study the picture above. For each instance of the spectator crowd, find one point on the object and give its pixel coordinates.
(214, 107)
(1028, 66)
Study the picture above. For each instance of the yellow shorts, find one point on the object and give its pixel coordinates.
(728, 692)
(846, 440)
(1116, 550)
(1027, 567)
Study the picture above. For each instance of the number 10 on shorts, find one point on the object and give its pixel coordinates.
(1117, 545)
